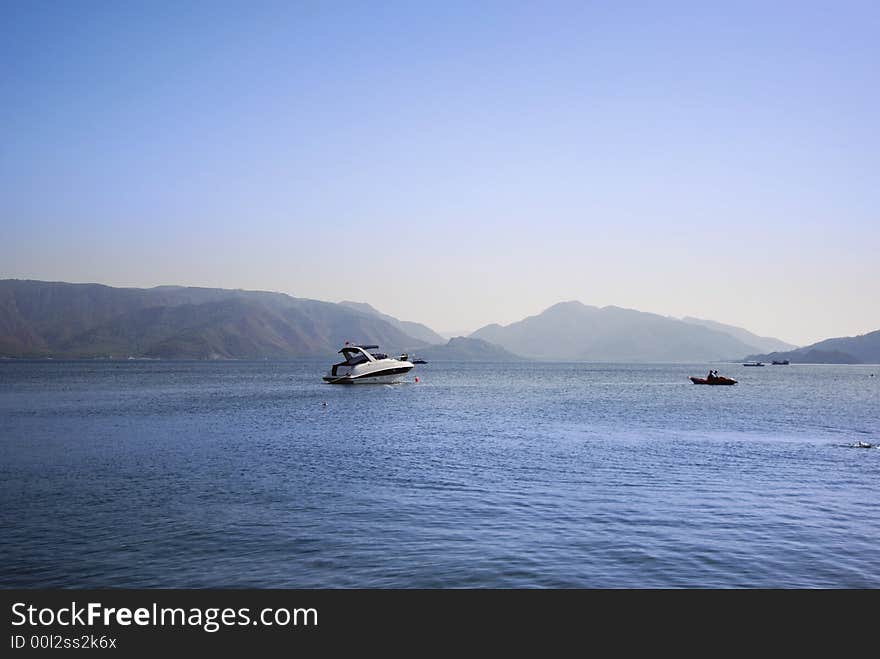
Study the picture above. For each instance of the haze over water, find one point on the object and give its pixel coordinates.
(159, 474)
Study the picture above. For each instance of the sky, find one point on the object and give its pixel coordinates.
(454, 163)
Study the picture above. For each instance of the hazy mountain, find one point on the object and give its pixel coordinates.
(575, 331)
(451, 334)
(92, 320)
(464, 349)
(863, 349)
(415, 330)
(763, 343)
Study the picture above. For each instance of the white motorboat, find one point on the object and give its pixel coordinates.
(362, 366)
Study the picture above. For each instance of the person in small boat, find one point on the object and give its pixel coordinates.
(710, 377)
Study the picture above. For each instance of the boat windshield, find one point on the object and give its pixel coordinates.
(355, 355)
(355, 358)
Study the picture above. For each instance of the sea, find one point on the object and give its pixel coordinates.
(149, 474)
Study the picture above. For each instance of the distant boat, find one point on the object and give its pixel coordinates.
(412, 360)
(784, 362)
(753, 364)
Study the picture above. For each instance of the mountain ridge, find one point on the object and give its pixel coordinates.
(39, 319)
(413, 329)
(460, 348)
(763, 343)
(571, 330)
(65, 320)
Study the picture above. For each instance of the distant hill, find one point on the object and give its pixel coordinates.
(762, 343)
(39, 319)
(464, 349)
(577, 332)
(863, 349)
(415, 330)
(451, 334)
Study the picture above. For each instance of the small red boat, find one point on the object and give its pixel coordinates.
(716, 379)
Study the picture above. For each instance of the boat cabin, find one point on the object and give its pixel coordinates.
(355, 355)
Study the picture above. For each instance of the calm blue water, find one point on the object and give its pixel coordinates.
(153, 474)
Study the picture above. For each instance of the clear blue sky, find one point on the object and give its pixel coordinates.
(454, 163)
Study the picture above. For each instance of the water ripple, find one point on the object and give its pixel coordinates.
(546, 475)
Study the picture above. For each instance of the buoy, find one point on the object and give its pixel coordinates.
(417, 378)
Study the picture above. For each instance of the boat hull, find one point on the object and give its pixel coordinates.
(383, 376)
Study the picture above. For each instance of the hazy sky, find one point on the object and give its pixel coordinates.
(454, 163)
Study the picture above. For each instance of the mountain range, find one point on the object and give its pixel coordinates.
(62, 320)
(762, 343)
